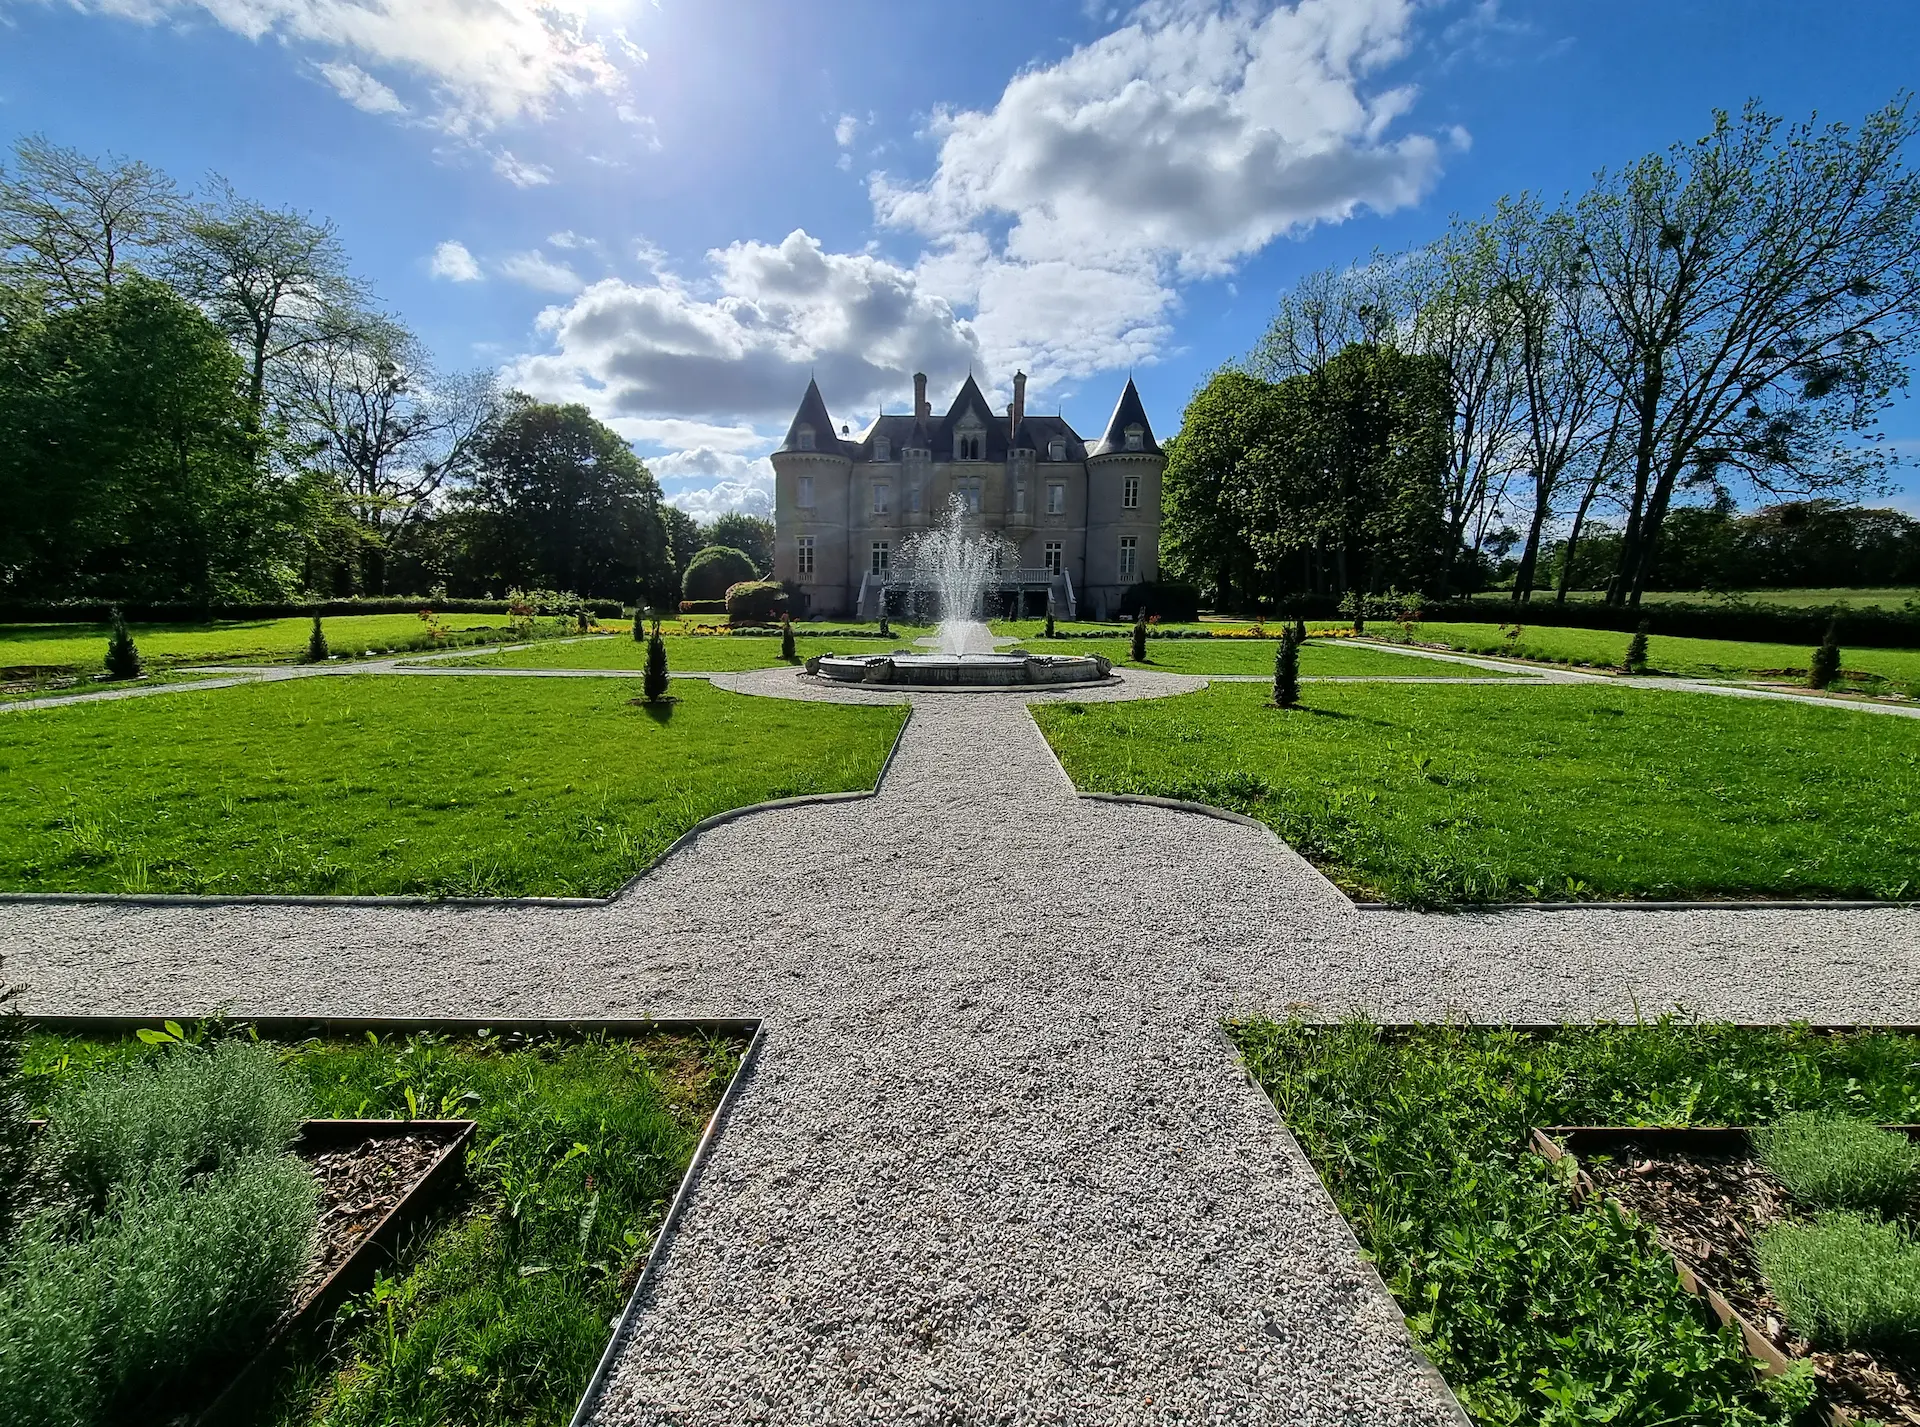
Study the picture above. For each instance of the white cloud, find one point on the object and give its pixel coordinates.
(361, 89)
(520, 173)
(741, 344)
(705, 482)
(1168, 150)
(845, 130)
(536, 270)
(452, 261)
(483, 62)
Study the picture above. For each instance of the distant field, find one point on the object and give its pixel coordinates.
(83, 647)
(1666, 654)
(1891, 598)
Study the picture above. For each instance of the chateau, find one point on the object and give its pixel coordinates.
(1085, 519)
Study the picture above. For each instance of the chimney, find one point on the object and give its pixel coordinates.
(921, 410)
(1019, 401)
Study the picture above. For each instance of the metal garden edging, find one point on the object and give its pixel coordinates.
(706, 824)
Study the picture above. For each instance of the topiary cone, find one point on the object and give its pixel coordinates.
(1826, 659)
(787, 651)
(654, 681)
(317, 652)
(1138, 653)
(1286, 672)
(123, 657)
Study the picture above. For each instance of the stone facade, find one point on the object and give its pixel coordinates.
(1084, 519)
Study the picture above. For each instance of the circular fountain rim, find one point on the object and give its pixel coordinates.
(857, 670)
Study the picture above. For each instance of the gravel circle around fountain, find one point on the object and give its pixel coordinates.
(995, 1163)
(792, 683)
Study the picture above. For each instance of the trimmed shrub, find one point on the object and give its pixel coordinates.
(96, 612)
(1636, 660)
(712, 571)
(703, 606)
(1837, 1162)
(787, 650)
(639, 627)
(755, 602)
(317, 652)
(123, 658)
(1286, 672)
(656, 678)
(1845, 1281)
(186, 1112)
(1137, 651)
(1825, 667)
(1169, 602)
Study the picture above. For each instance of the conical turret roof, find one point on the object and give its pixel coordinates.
(1129, 411)
(813, 413)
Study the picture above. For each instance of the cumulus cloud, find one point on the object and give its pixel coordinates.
(536, 270)
(483, 64)
(452, 261)
(361, 89)
(705, 482)
(1169, 150)
(740, 345)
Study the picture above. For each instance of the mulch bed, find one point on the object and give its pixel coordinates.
(1707, 1209)
(359, 1186)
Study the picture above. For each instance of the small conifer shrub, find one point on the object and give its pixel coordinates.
(1049, 614)
(1826, 659)
(1636, 660)
(317, 652)
(639, 624)
(1286, 672)
(1138, 652)
(654, 681)
(1299, 630)
(886, 630)
(787, 651)
(123, 658)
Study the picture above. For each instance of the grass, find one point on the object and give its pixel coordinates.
(1833, 1162)
(1891, 597)
(1666, 654)
(1318, 658)
(496, 787)
(1845, 1281)
(1535, 1309)
(1444, 795)
(82, 647)
(499, 1315)
(171, 1230)
(686, 654)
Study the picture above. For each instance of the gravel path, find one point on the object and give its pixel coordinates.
(994, 1163)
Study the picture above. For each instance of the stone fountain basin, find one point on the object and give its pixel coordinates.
(987, 671)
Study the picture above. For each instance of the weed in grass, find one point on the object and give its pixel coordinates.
(1846, 1281)
(183, 1112)
(1837, 1162)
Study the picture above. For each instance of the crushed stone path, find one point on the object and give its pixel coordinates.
(994, 1163)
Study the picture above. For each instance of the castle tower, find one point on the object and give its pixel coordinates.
(1123, 506)
(812, 509)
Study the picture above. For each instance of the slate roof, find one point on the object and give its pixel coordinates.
(1036, 433)
(1128, 411)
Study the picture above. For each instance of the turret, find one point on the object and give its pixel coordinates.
(1123, 505)
(812, 475)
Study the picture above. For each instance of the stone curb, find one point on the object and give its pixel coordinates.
(706, 824)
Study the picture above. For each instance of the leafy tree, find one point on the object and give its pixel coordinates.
(655, 679)
(683, 543)
(1215, 467)
(561, 501)
(711, 572)
(127, 462)
(123, 656)
(749, 534)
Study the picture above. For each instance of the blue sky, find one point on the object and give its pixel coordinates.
(676, 211)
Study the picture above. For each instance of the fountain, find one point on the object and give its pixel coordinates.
(956, 565)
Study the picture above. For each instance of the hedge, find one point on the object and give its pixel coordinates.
(755, 601)
(703, 606)
(100, 611)
(1163, 600)
(714, 570)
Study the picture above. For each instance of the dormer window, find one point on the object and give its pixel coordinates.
(968, 445)
(882, 449)
(1056, 450)
(803, 439)
(1135, 438)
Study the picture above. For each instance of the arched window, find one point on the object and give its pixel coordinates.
(1134, 438)
(1056, 450)
(966, 446)
(803, 439)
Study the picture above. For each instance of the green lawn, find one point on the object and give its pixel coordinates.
(1318, 658)
(1537, 1310)
(1449, 794)
(84, 646)
(1666, 654)
(470, 787)
(689, 654)
(1892, 597)
(497, 1314)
